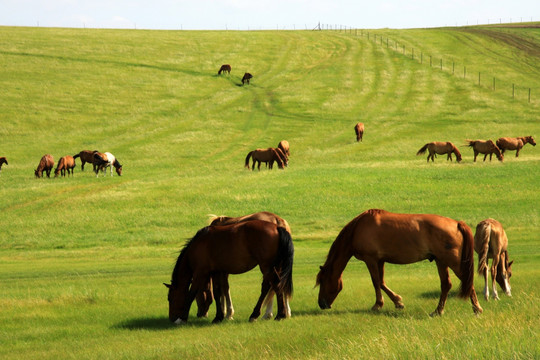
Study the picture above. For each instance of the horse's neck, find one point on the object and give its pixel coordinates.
(339, 255)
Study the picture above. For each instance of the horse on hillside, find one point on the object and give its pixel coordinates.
(284, 146)
(3, 160)
(359, 130)
(490, 241)
(45, 164)
(232, 249)
(440, 148)
(268, 155)
(486, 147)
(506, 143)
(377, 236)
(87, 156)
(105, 160)
(66, 163)
(224, 68)
(246, 78)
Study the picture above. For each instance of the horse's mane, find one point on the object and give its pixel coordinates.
(213, 218)
(178, 264)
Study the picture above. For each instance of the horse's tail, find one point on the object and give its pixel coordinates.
(467, 261)
(76, 156)
(422, 150)
(247, 159)
(470, 143)
(483, 232)
(284, 262)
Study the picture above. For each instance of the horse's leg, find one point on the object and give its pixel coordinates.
(475, 155)
(396, 299)
(227, 304)
(446, 285)
(218, 297)
(494, 264)
(269, 303)
(199, 283)
(376, 280)
(265, 287)
(517, 151)
(204, 300)
(486, 287)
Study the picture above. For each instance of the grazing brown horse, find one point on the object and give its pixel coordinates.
(224, 68)
(486, 147)
(246, 78)
(3, 161)
(378, 236)
(264, 155)
(507, 143)
(490, 241)
(359, 130)
(66, 163)
(232, 249)
(45, 164)
(284, 146)
(204, 300)
(440, 148)
(87, 156)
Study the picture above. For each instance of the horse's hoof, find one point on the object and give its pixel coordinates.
(268, 316)
(400, 305)
(376, 308)
(217, 320)
(436, 313)
(180, 322)
(252, 319)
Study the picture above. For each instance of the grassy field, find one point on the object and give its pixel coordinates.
(83, 259)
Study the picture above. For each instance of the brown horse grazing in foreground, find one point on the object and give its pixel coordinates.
(490, 241)
(284, 146)
(440, 148)
(232, 249)
(87, 156)
(224, 68)
(378, 236)
(45, 164)
(3, 161)
(204, 299)
(246, 78)
(359, 130)
(264, 155)
(486, 147)
(507, 143)
(66, 163)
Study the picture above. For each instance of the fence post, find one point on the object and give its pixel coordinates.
(387, 43)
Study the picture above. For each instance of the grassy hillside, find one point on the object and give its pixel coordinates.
(83, 258)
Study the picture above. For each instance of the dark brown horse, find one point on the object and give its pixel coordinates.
(87, 156)
(490, 241)
(359, 130)
(232, 249)
(246, 78)
(224, 68)
(486, 147)
(440, 148)
(268, 155)
(66, 163)
(3, 161)
(45, 164)
(378, 236)
(506, 143)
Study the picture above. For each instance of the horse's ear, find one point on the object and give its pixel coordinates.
(510, 263)
(167, 285)
(320, 267)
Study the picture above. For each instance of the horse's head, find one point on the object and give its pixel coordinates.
(177, 300)
(500, 278)
(330, 287)
(119, 170)
(37, 173)
(528, 139)
(458, 154)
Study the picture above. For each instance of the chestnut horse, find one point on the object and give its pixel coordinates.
(359, 130)
(45, 164)
(65, 163)
(507, 143)
(378, 236)
(246, 78)
(490, 241)
(486, 147)
(284, 146)
(3, 160)
(224, 68)
(104, 160)
(87, 156)
(438, 147)
(265, 155)
(232, 249)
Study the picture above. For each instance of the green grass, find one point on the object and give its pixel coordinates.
(82, 260)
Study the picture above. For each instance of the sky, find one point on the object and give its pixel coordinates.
(263, 14)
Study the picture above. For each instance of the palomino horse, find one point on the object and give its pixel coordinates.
(440, 148)
(359, 130)
(205, 299)
(378, 236)
(87, 156)
(105, 160)
(507, 143)
(486, 147)
(284, 146)
(246, 78)
(3, 161)
(265, 155)
(232, 249)
(66, 163)
(45, 164)
(224, 68)
(490, 241)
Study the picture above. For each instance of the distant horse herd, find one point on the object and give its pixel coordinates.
(226, 68)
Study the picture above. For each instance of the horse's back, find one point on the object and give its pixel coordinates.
(498, 241)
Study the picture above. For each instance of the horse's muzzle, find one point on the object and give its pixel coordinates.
(324, 305)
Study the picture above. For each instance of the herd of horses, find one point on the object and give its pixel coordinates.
(237, 245)
(66, 164)
(226, 68)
